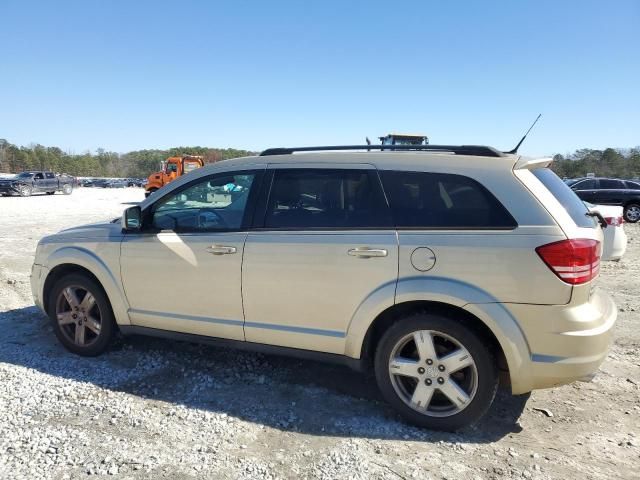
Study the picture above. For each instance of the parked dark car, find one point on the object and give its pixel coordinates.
(100, 183)
(26, 183)
(610, 191)
(116, 184)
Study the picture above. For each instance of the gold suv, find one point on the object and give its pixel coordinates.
(440, 267)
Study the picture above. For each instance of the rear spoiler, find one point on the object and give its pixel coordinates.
(532, 163)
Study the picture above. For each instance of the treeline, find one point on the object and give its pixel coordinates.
(621, 163)
(611, 162)
(140, 163)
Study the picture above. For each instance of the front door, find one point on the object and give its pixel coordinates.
(183, 272)
(325, 244)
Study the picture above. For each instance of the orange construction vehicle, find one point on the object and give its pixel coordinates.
(170, 169)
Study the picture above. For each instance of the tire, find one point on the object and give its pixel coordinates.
(149, 192)
(25, 191)
(632, 212)
(97, 321)
(478, 380)
(50, 193)
(67, 189)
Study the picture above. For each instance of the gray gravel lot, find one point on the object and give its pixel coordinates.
(159, 409)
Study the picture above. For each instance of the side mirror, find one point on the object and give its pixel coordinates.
(132, 219)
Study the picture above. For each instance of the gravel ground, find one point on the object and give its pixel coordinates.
(161, 409)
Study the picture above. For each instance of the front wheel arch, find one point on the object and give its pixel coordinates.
(62, 270)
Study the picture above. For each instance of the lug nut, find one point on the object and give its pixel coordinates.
(421, 370)
(427, 381)
(429, 361)
(441, 368)
(440, 380)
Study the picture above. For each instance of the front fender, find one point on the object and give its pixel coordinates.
(110, 280)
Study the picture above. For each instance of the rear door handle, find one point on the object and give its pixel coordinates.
(221, 249)
(366, 252)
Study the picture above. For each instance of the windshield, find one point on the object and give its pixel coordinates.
(25, 175)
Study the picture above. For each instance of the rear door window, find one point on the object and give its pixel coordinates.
(607, 184)
(633, 185)
(437, 200)
(575, 207)
(311, 198)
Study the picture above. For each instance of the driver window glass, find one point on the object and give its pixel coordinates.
(214, 204)
(584, 185)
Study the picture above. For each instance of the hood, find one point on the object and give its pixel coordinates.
(92, 231)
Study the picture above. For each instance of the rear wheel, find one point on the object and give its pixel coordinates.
(67, 189)
(149, 192)
(81, 315)
(50, 193)
(632, 213)
(436, 372)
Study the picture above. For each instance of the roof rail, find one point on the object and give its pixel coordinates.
(474, 150)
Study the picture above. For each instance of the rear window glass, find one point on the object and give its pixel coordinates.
(437, 200)
(576, 209)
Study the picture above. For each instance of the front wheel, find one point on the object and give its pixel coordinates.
(81, 315)
(25, 191)
(632, 213)
(436, 372)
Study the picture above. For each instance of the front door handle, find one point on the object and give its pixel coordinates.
(221, 249)
(366, 252)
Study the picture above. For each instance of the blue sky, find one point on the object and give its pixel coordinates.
(248, 74)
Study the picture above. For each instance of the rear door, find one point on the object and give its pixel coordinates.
(50, 181)
(322, 245)
(611, 191)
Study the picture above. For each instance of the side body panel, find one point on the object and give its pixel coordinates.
(301, 289)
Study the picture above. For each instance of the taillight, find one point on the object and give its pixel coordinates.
(614, 221)
(574, 261)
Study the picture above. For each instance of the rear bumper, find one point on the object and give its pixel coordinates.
(566, 343)
(615, 243)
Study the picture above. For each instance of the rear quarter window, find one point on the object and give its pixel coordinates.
(445, 201)
(575, 207)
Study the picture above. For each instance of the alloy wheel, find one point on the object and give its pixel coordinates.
(433, 373)
(78, 315)
(633, 213)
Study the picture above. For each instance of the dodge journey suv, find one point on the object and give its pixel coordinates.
(445, 270)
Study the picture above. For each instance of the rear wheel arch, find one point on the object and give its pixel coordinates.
(391, 315)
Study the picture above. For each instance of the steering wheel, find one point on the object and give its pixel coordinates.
(209, 218)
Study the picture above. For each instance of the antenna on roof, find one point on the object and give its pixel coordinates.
(515, 150)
